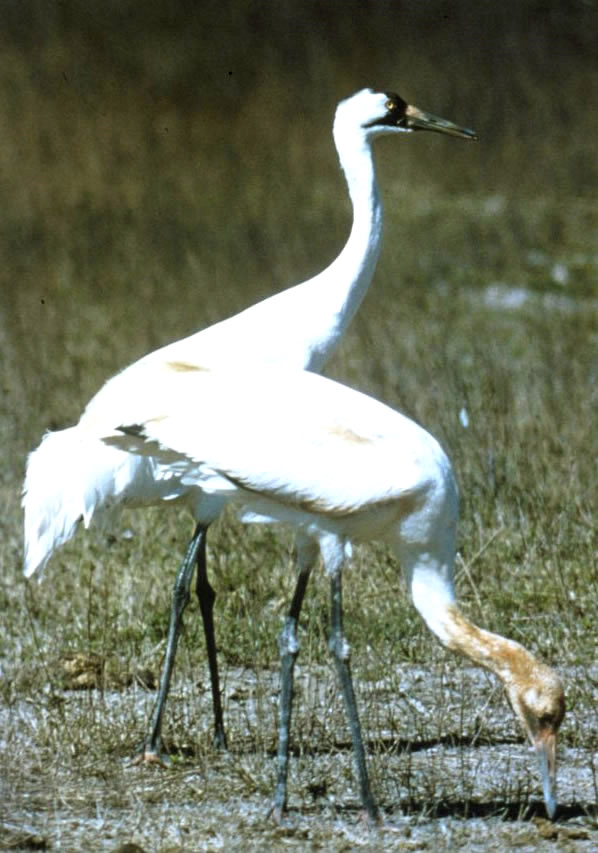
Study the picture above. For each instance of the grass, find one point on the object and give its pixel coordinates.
(148, 192)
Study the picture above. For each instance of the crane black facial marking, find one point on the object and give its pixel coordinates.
(395, 114)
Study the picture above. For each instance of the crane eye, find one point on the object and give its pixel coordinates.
(390, 105)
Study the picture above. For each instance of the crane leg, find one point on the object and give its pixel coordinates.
(289, 649)
(151, 750)
(307, 553)
(341, 652)
(206, 597)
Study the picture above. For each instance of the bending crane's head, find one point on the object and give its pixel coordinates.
(538, 699)
(377, 113)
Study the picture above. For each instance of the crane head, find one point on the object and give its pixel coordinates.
(538, 700)
(379, 113)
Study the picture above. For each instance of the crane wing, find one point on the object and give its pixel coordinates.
(286, 436)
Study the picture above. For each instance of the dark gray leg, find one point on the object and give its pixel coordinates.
(307, 553)
(206, 596)
(340, 650)
(180, 599)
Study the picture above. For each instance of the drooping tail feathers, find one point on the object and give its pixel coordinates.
(70, 477)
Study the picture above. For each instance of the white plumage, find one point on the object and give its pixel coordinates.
(72, 476)
(339, 467)
(255, 419)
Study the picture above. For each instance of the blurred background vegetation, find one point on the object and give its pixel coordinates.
(164, 165)
(175, 159)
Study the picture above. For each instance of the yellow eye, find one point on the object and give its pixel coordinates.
(390, 105)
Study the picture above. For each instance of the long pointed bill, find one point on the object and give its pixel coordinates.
(545, 744)
(419, 120)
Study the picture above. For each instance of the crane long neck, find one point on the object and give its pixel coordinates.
(362, 249)
(350, 274)
(507, 659)
(434, 599)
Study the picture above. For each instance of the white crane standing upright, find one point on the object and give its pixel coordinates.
(72, 475)
(338, 466)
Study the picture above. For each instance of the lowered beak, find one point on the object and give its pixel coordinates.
(419, 120)
(545, 745)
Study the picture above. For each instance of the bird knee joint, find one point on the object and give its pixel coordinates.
(288, 643)
(339, 647)
(181, 595)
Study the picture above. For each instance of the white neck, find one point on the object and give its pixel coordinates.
(344, 283)
(362, 249)
(303, 325)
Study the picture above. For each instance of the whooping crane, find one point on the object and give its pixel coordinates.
(73, 476)
(339, 467)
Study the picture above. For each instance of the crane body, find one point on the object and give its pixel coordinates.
(72, 476)
(338, 467)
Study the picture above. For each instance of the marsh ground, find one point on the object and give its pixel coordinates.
(160, 171)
